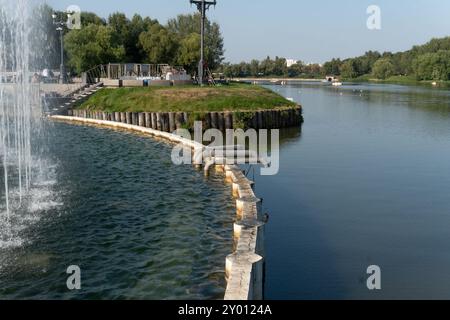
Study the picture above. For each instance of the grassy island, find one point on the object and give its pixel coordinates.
(234, 97)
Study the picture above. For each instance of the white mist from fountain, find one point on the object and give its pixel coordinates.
(20, 116)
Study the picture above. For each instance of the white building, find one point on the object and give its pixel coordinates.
(290, 62)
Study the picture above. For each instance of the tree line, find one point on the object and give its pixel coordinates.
(426, 62)
(140, 39)
(269, 67)
(119, 39)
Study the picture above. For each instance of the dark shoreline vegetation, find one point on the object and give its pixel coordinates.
(235, 97)
(426, 63)
(119, 39)
(139, 39)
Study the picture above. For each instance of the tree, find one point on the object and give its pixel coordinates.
(348, 69)
(91, 18)
(295, 70)
(254, 68)
(137, 26)
(433, 66)
(383, 68)
(92, 45)
(188, 52)
(280, 67)
(185, 25)
(332, 67)
(159, 44)
(121, 26)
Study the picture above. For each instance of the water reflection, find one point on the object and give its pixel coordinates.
(138, 226)
(366, 183)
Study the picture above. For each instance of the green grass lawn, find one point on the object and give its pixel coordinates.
(235, 97)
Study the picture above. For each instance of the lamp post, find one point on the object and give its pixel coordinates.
(60, 27)
(202, 6)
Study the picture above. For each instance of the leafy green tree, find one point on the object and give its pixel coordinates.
(433, 66)
(188, 52)
(280, 67)
(92, 45)
(159, 44)
(91, 18)
(383, 68)
(120, 25)
(313, 70)
(332, 67)
(267, 66)
(348, 69)
(138, 25)
(254, 68)
(185, 25)
(295, 70)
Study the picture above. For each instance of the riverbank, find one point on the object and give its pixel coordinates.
(401, 80)
(275, 79)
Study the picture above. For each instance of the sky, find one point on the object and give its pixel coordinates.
(310, 31)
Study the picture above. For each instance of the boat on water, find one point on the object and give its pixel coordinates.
(333, 80)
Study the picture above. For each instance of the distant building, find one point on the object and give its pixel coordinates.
(290, 62)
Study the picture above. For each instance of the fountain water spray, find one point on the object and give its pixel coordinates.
(19, 99)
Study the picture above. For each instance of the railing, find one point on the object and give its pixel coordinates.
(95, 74)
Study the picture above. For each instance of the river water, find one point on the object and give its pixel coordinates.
(366, 183)
(113, 204)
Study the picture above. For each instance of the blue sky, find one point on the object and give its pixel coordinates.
(312, 31)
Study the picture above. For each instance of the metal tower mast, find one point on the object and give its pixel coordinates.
(202, 6)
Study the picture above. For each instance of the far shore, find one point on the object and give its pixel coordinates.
(393, 80)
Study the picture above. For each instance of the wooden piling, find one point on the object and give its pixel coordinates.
(207, 121)
(179, 120)
(159, 121)
(221, 121)
(154, 121)
(172, 126)
(166, 124)
(259, 124)
(148, 120)
(228, 120)
(141, 121)
(277, 119)
(214, 120)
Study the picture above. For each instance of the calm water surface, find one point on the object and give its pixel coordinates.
(115, 205)
(367, 182)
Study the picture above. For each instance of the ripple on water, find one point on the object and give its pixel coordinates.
(138, 226)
